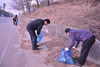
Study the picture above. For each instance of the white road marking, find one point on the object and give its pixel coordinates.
(5, 49)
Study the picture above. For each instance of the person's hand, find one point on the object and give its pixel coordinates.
(73, 48)
(37, 36)
(66, 49)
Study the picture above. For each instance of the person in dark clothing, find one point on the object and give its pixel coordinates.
(14, 20)
(36, 25)
(85, 36)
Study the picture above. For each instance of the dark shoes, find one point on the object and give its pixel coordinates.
(38, 46)
(36, 49)
(79, 64)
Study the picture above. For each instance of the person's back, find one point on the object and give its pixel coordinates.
(15, 17)
(35, 23)
(81, 34)
(88, 39)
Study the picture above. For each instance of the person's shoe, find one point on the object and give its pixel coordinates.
(36, 49)
(79, 64)
(38, 46)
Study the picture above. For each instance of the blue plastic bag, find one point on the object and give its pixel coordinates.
(66, 56)
(40, 37)
(31, 9)
(17, 21)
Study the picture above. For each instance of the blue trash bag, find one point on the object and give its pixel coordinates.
(66, 57)
(17, 21)
(40, 37)
(31, 9)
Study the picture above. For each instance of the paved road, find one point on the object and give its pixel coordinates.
(10, 53)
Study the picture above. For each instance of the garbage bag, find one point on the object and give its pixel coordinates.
(17, 21)
(40, 37)
(31, 9)
(66, 57)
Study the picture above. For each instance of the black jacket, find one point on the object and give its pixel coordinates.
(36, 25)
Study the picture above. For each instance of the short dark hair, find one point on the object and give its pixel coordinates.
(48, 21)
(67, 30)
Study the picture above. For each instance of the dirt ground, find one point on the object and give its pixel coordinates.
(54, 47)
(82, 16)
(79, 16)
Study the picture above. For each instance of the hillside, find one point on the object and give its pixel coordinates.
(82, 16)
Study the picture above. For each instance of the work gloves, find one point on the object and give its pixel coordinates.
(66, 49)
(74, 48)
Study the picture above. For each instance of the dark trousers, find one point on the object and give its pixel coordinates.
(14, 21)
(33, 37)
(87, 44)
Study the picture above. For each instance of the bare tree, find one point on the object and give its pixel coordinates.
(37, 1)
(48, 2)
(19, 4)
(43, 2)
(4, 5)
(27, 3)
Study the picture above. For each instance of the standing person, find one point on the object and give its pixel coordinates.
(14, 20)
(85, 36)
(36, 25)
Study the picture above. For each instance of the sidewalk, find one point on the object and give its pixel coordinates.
(50, 50)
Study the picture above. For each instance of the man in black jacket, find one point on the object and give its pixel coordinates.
(36, 25)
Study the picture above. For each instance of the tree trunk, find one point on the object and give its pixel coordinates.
(37, 3)
(48, 3)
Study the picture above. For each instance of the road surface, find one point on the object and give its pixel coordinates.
(10, 53)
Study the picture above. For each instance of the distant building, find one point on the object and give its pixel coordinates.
(5, 13)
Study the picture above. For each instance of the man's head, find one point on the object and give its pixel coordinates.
(46, 21)
(67, 31)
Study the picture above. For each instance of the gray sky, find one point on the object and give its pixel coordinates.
(8, 8)
(3, 1)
